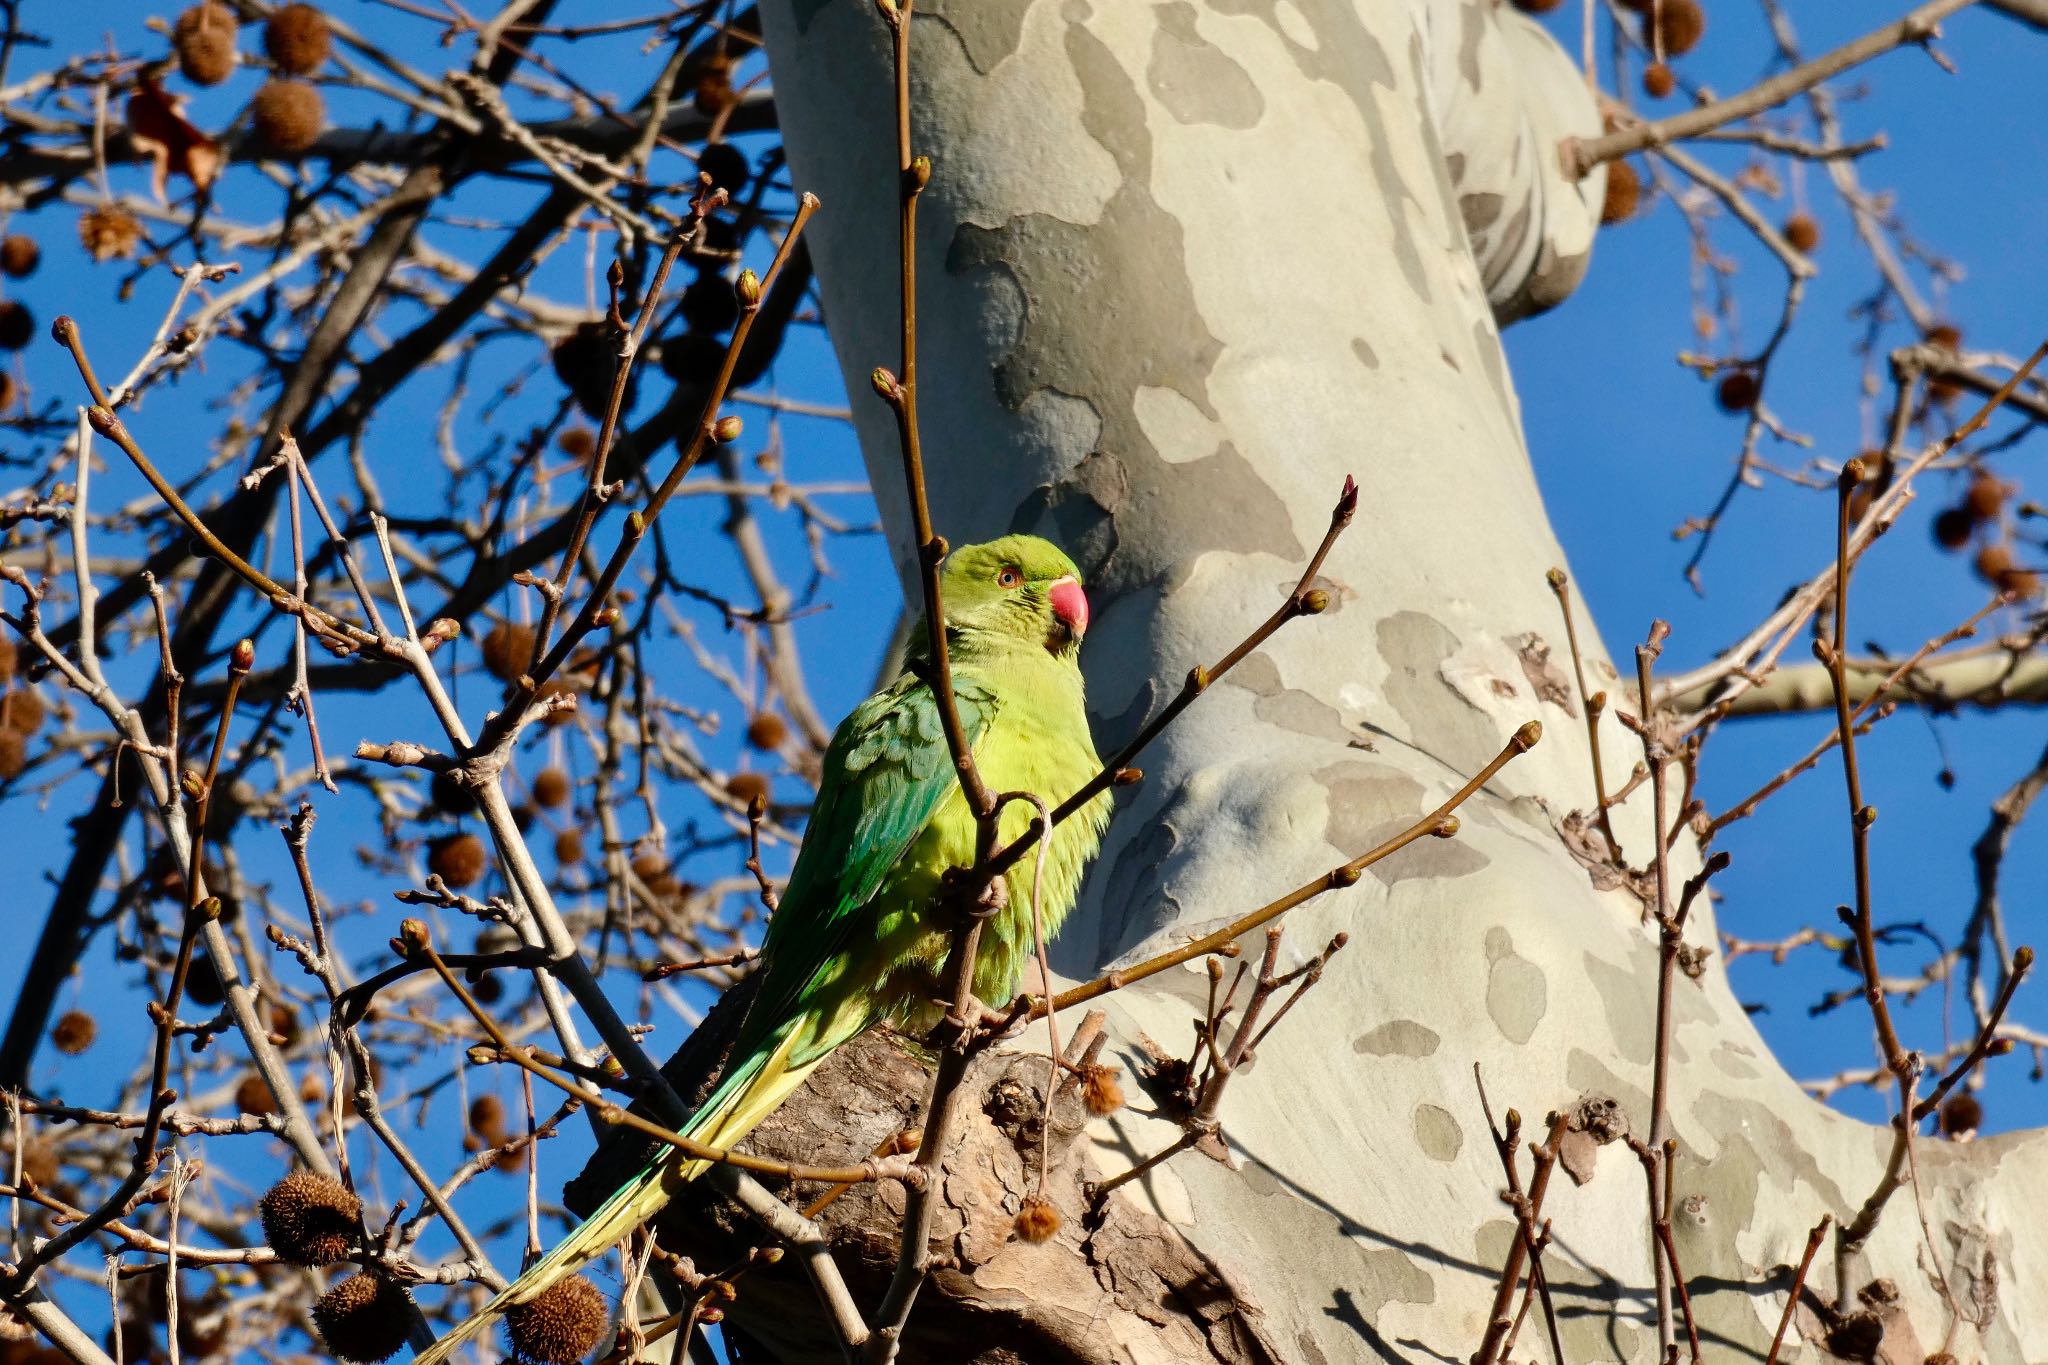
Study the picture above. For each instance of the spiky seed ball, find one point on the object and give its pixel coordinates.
(1985, 498)
(21, 711)
(1737, 391)
(20, 255)
(713, 95)
(1037, 1220)
(508, 649)
(767, 731)
(296, 38)
(363, 1319)
(204, 39)
(17, 324)
(744, 787)
(1658, 81)
(1679, 24)
(6, 392)
(487, 1118)
(13, 755)
(457, 859)
(9, 659)
(252, 1096)
(569, 847)
(488, 991)
(692, 358)
(1945, 336)
(1802, 232)
(449, 795)
(1961, 1114)
(585, 361)
(312, 1088)
(561, 1326)
(288, 115)
(726, 165)
(40, 1161)
(310, 1219)
(1952, 527)
(1624, 192)
(109, 232)
(578, 443)
(74, 1032)
(1100, 1090)
(1993, 562)
(551, 788)
(202, 982)
(709, 304)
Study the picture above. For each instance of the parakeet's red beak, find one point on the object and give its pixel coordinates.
(1070, 604)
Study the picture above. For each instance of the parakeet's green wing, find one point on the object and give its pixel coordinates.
(885, 775)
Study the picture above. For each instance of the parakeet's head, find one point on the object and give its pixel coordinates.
(1019, 586)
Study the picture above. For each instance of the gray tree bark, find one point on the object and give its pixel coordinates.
(1182, 269)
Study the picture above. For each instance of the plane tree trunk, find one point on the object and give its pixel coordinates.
(1183, 268)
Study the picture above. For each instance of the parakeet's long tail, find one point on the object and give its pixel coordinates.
(750, 1093)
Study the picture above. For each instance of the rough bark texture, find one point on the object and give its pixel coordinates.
(1183, 268)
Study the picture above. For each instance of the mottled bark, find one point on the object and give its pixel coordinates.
(1182, 269)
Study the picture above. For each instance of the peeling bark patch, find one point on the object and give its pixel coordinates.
(1550, 682)
(988, 30)
(1257, 674)
(1398, 1038)
(1344, 53)
(1193, 79)
(1517, 994)
(1414, 647)
(1437, 1133)
(1304, 714)
(1480, 210)
(1130, 264)
(1730, 1062)
(1631, 1013)
(1369, 805)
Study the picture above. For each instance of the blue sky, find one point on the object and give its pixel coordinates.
(1626, 442)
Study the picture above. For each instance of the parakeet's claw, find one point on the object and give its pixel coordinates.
(1005, 1024)
(994, 898)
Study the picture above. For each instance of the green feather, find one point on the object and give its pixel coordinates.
(855, 940)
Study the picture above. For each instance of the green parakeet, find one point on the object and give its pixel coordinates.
(856, 940)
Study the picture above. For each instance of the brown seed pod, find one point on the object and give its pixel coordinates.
(727, 165)
(1624, 192)
(288, 115)
(1993, 562)
(297, 39)
(40, 1161)
(1678, 24)
(1802, 232)
(561, 1326)
(17, 324)
(1037, 1220)
(9, 659)
(74, 1032)
(767, 731)
(312, 1088)
(508, 649)
(204, 39)
(487, 1119)
(1537, 6)
(1945, 336)
(585, 360)
(451, 796)
(552, 788)
(109, 232)
(7, 394)
(1100, 1090)
(363, 1319)
(714, 95)
(21, 711)
(1738, 391)
(746, 787)
(252, 1096)
(13, 754)
(310, 1219)
(569, 847)
(203, 985)
(20, 255)
(578, 443)
(458, 859)
(1961, 1115)
(1986, 497)
(1658, 81)
(1952, 526)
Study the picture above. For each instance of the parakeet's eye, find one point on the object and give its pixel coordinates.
(1009, 576)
